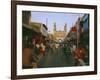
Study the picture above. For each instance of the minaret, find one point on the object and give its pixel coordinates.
(65, 27)
(54, 30)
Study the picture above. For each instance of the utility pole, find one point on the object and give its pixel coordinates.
(46, 21)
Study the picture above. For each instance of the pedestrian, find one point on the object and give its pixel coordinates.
(33, 59)
(79, 56)
(37, 52)
(33, 42)
(42, 49)
(73, 47)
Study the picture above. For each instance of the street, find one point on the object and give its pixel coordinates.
(56, 58)
(56, 40)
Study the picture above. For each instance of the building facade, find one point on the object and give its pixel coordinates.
(58, 34)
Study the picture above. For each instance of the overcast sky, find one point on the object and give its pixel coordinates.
(58, 17)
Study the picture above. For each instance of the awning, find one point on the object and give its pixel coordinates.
(32, 27)
(40, 27)
(37, 27)
(44, 31)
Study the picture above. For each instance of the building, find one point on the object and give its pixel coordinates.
(51, 37)
(74, 34)
(86, 22)
(58, 34)
(84, 30)
(26, 17)
(40, 27)
(32, 33)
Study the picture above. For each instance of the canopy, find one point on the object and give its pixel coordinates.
(34, 28)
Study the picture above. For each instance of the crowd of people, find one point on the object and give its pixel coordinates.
(79, 53)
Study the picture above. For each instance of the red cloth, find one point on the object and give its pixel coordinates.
(73, 29)
(37, 40)
(79, 53)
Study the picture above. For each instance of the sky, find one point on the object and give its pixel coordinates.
(60, 18)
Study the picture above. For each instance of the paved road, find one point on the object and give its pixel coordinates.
(56, 58)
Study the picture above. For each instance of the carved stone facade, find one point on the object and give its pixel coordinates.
(59, 35)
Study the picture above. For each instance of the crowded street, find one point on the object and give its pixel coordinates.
(57, 58)
(52, 43)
